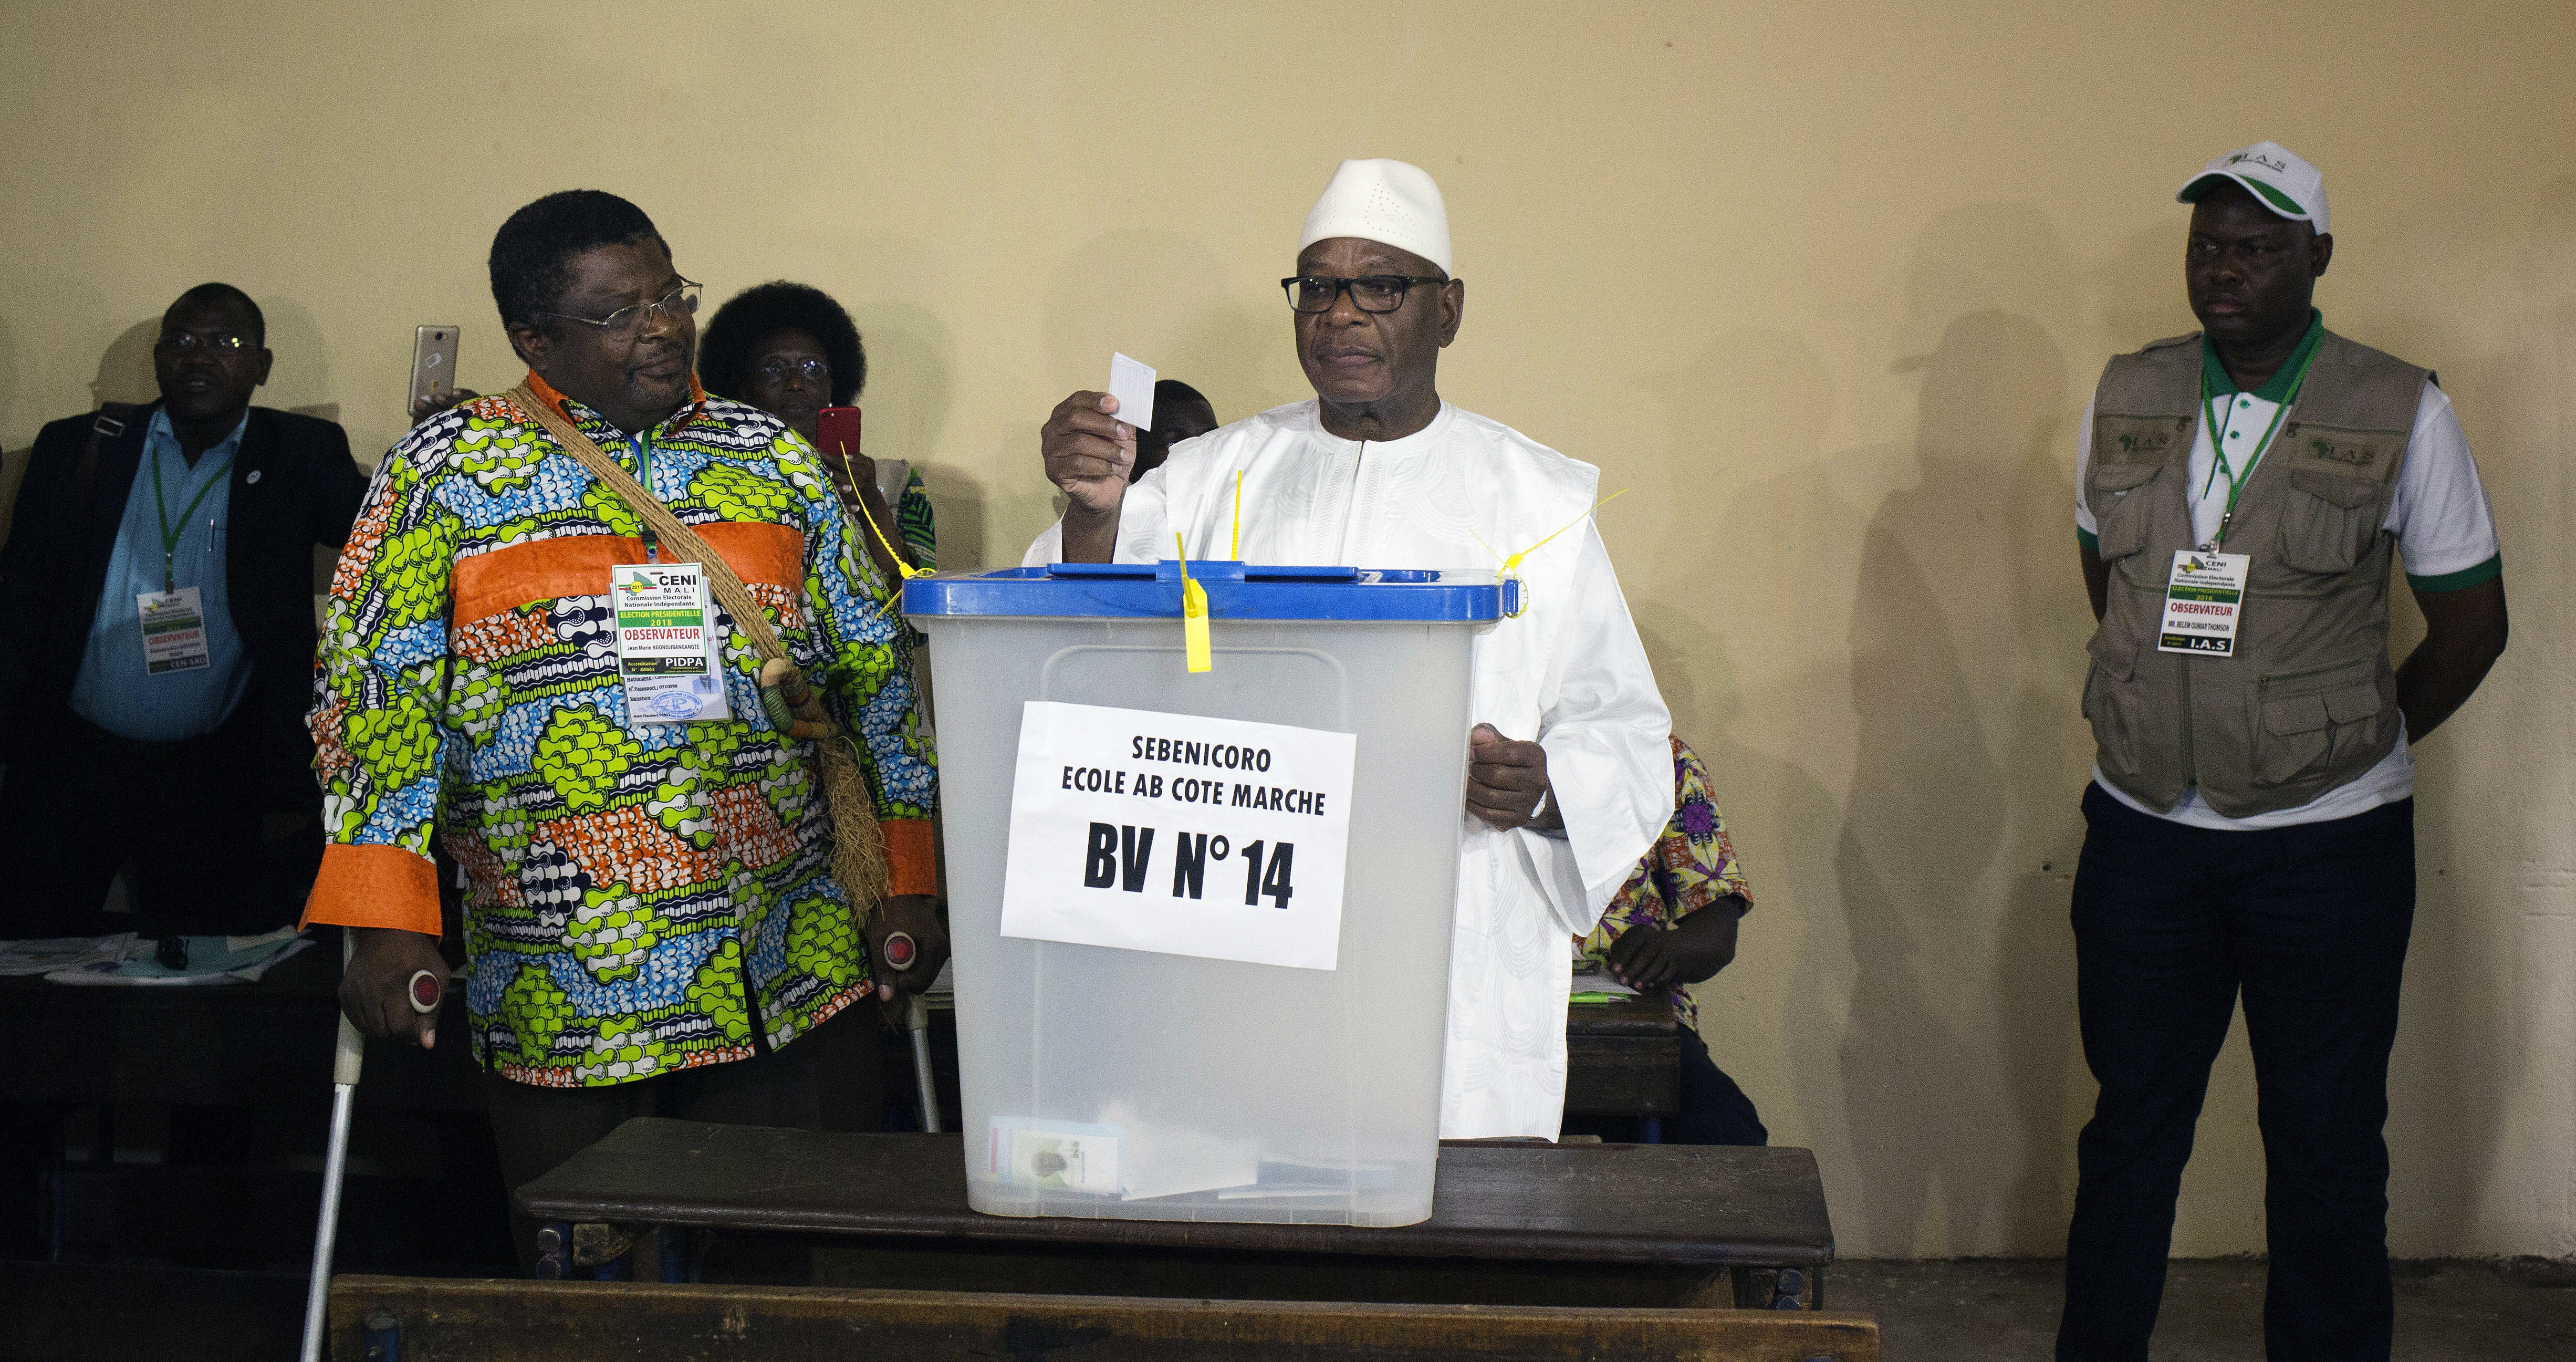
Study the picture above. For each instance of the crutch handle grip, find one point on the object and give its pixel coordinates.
(351, 1052)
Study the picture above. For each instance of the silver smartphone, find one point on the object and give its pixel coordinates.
(433, 364)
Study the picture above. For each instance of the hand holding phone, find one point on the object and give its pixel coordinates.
(433, 365)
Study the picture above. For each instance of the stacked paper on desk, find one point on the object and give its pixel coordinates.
(211, 960)
(44, 955)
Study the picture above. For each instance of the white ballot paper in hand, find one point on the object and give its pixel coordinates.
(1132, 383)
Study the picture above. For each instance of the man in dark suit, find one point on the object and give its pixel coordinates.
(156, 645)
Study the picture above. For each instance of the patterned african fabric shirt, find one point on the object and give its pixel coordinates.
(1691, 866)
(920, 536)
(643, 897)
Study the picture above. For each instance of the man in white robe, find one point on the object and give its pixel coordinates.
(1379, 472)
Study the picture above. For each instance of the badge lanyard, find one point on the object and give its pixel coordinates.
(644, 469)
(169, 536)
(2218, 437)
(668, 654)
(2205, 598)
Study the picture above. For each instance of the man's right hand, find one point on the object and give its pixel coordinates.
(375, 988)
(1089, 453)
(423, 408)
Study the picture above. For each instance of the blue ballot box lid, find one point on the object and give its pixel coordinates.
(1235, 591)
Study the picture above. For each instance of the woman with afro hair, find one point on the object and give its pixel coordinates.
(791, 351)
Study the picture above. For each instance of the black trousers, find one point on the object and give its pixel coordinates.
(1714, 1109)
(2310, 923)
(829, 1078)
(185, 815)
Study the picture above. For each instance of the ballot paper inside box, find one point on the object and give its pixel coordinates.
(1226, 1062)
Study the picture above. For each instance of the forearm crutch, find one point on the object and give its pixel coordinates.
(900, 954)
(346, 1060)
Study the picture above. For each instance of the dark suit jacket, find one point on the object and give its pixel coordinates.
(293, 486)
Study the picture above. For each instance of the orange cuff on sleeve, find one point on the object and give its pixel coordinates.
(909, 855)
(377, 886)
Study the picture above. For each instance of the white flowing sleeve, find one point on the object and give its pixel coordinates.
(1047, 548)
(1141, 520)
(1609, 748)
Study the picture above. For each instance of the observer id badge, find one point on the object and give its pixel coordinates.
(174, 631)
(666, 643)
(2204, 602)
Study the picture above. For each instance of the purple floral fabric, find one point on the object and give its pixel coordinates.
(1691, 866)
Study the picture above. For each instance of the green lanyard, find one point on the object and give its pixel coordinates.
(169, 536)
(2218, 437)
(644, 470)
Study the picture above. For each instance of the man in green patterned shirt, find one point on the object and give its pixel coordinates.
(651, 927)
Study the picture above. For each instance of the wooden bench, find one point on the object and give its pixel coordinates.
(507, 1321)
(1511, 1223)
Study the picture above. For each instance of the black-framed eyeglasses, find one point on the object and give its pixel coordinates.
(1377, 293)
(811, 370)
(628, 322)
(185, 341)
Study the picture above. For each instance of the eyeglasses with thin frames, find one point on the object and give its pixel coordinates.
(811, 370)
(628, 322)
(185, 341)
(1372, 293)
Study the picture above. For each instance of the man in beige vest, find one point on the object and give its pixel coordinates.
(2240, 496)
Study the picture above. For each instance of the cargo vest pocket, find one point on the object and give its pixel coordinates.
(2328, 521)
(2329, 717)
(2117, 495)
(2113, 705)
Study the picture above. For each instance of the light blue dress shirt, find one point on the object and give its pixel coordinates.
(112, 689)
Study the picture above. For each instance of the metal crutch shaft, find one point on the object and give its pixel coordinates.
(345, 1063)
(916, 1022)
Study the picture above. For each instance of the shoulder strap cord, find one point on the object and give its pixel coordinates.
(858, 856)
(111, 422)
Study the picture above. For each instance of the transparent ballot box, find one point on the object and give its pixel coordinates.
(1202, 918)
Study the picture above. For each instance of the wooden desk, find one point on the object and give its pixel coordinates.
(503, 1321)
(1623, 1058)
(1511, 1223)
(237, 1077)
(219, 1045)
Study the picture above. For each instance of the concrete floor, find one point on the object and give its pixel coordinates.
(2003, 1310)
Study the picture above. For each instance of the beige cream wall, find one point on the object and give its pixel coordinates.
(1826, 284)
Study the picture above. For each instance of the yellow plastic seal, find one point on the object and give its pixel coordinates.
(1510, 571)
(902, 565)
(1194, 614)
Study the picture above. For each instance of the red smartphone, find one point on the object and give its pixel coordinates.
(837, 430)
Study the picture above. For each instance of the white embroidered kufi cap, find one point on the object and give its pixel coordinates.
(1388, 202)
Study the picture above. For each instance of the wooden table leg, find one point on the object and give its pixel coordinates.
(554, 1250)
(1779, 1288)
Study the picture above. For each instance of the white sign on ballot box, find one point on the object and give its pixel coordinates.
(1165, 832)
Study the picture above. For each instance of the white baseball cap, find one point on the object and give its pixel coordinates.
(1388, 202)
(2274, 175)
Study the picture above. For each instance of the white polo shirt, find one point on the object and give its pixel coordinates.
(2445, 532)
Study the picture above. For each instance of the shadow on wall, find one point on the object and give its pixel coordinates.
(1954, 849)
(1748, 416)
(124, 375)
(125, 370)
(2487, 905)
